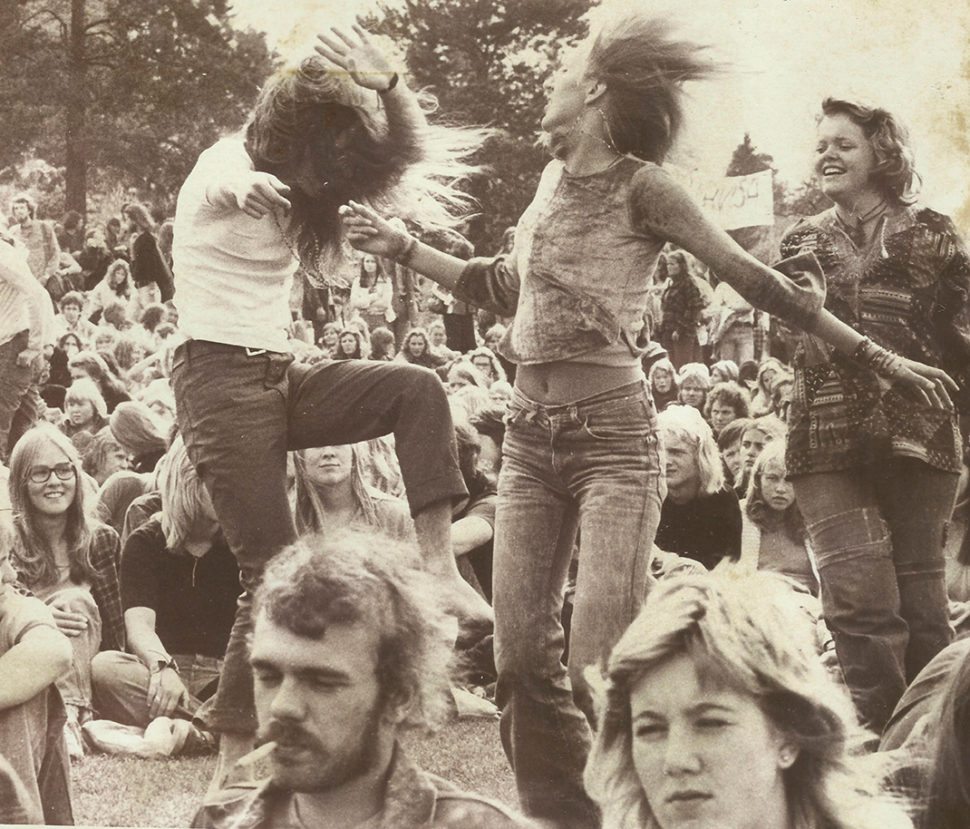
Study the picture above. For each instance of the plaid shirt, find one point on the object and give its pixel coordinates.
(105, 554)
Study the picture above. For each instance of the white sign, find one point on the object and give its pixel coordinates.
(738, 201)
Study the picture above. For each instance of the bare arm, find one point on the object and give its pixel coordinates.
(367, 231)
(470, 532)
(662, 207)
(165, 688)
(40, 658)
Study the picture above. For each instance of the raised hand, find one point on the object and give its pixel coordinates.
(367, 231)
(359, 56)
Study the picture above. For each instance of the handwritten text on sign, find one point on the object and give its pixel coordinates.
(738, 201)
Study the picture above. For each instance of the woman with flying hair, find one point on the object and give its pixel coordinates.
(416, 350)
(577, 283)
(875, 468)
(66, 559)
(718, 712)
(341, 125)
(147, 263)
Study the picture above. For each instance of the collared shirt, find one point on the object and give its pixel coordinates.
(43, 251)
(104, 551)
(413, 799)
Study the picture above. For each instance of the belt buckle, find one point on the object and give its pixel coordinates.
(255, 352)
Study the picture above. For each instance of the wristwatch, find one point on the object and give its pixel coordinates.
(158, 665)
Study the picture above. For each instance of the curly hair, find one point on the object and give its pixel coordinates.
(348, 577)
(742, 631)
(141, 216)
(644, 66)
(123, 289)
(895, 173)
(728, 394)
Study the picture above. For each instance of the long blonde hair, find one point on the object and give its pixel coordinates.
(742, 630)
(34, 558)
(183, 495)
(308, 507)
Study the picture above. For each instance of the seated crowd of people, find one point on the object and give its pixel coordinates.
(119, 589)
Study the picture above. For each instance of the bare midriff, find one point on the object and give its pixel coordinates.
(568, 382)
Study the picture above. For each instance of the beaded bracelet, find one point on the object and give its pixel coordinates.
(404, 257)
(881, 360)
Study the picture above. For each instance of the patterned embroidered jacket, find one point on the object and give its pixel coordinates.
(908, 292)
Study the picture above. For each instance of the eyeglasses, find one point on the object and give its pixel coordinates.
(42, 474)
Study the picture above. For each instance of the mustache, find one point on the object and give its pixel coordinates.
(287, 734)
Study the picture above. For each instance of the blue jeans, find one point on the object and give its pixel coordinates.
(592, 466)
(121, 681)
(20, 402)
(878, 534)
(240, 413)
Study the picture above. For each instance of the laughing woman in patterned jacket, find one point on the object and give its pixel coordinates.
(875, 469)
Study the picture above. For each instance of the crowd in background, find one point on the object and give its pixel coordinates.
(106, 521)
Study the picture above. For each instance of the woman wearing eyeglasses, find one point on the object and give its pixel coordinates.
(66, 559)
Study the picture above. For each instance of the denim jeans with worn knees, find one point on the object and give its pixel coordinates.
(592, 466)
(877, 534)
(240, 414)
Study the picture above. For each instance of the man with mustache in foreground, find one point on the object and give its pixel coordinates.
(349, 650)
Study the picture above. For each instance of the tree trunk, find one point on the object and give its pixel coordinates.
(76, 132)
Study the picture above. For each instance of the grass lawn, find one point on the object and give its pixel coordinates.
(122, 791)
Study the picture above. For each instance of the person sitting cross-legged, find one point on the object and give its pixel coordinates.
(179, 585)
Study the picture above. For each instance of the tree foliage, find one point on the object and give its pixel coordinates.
(804, 200)
(487, 62)
(132, 89)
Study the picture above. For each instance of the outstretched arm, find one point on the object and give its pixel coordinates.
(662, 207)
(367, 231)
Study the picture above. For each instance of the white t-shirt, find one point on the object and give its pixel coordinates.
(232, 272)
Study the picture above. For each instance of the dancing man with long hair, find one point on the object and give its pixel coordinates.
(342, 125)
